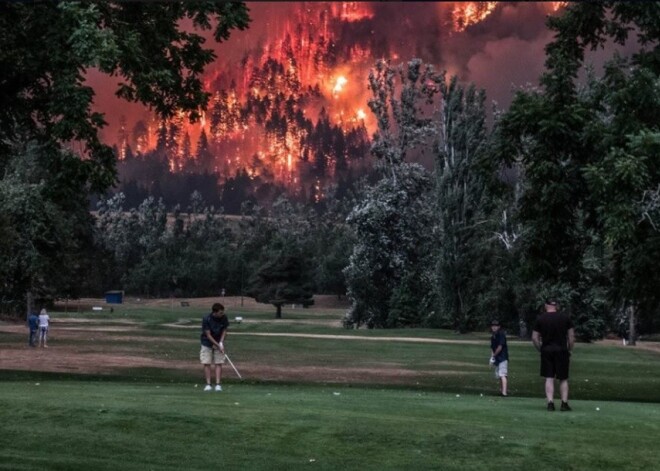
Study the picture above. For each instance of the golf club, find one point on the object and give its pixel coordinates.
(232, 365)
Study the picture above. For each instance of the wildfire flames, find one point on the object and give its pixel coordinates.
(339, 85)
(469, 13)
(293, 111)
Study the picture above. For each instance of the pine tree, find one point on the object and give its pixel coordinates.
(203, 156)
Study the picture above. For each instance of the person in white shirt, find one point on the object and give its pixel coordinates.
(43, 328)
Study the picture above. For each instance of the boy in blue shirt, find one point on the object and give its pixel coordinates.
(499, 355)
(214, 331)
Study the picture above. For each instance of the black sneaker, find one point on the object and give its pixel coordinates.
(565, 407)
(551, 406)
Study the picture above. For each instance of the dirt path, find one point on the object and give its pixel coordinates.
(362, 337)
(88, 356)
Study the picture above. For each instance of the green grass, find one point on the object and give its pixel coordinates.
(444, 416)
(114, 425)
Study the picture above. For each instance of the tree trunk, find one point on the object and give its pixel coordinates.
(631, 318)
(522, 325)
(30, 304)
(278, 314)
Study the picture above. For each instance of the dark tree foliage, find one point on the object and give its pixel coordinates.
(236, 191)
(461, 204)
(46, 240)
(283, 272)
(386, 278)
(48, 46)
(199, 251)
(46, 49)
(586, 157)
(282, 280)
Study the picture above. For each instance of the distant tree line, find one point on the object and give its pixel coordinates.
(149, 175)
(286, 254)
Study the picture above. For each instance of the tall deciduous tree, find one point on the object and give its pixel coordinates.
(460, 204)
(386, 281)
(386, 277)
(588, 158)
(49, 229)
(627, 134)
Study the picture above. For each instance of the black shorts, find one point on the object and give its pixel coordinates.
(554, 364)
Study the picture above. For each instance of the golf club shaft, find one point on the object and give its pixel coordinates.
(232, 365)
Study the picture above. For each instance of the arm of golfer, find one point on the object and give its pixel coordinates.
(212, 340)
(571, 339)
(536, 340)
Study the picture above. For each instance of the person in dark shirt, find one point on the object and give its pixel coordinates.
(33, 326)
(214, 331)
(554, 337)
(499, 355)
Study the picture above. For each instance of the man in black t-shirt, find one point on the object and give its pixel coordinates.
(554, 337)
(214, 331)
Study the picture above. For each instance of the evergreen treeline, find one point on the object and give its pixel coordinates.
(199, 252)
(149, 175)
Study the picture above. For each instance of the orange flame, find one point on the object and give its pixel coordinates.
(339, 85)
(352, 11)
(469, 13)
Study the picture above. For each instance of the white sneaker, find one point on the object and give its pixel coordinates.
(217, 387)
(208, 388)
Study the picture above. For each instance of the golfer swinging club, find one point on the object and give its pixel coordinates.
(214, 331)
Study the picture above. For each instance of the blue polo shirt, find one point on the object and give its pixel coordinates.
(217, 325)
(497, 339)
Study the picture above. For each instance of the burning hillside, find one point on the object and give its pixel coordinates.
(292, 109)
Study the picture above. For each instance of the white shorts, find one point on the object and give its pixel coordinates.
(502, 370)
(209, 356)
